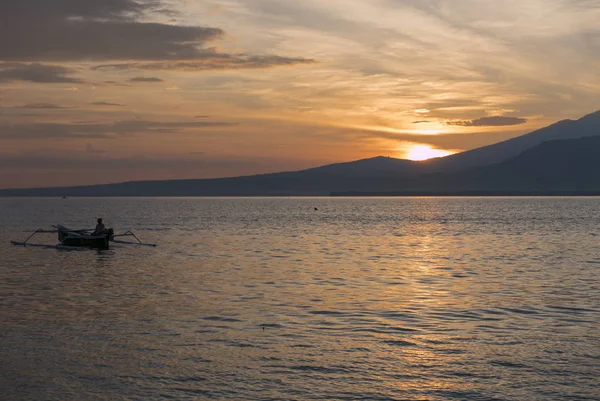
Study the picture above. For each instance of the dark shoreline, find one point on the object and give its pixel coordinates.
(348, 194)
(465, 193)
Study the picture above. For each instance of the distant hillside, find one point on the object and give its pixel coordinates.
(559, 165)
(375, 167)
(568, 166)
(536, 161)
(371, 174)
(498, 152)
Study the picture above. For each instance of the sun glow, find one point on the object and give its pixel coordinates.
(425, 152)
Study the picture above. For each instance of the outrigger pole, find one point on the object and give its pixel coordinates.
(128, 233)
(42, 231)
(38, 231)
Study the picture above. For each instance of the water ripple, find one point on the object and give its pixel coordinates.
(264, 299)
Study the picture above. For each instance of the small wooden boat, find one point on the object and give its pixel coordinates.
(83, 239)
(72, 239)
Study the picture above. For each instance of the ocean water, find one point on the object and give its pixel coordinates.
(304, 299)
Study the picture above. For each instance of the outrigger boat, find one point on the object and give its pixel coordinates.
(74, 239)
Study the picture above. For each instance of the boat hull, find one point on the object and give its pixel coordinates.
(84, 241)
(70, 238)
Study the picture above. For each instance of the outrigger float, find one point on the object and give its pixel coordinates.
(77, 239)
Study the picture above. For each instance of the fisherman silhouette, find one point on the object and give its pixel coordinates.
(100, 229)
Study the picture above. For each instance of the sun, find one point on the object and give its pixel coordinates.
(425, 152)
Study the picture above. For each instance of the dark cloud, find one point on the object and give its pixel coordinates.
(63, 30)
(168, 12)
(116, 83)
(41, 106)
(211, 61)
(107, 104)
(139, 126)
(41, 10)
(101, 30)
(46, 131)
(113, 41)
(36, 72)
(84, 163)
(21, 114)
(99, 130)
(583, 4)
(91, 149)
(145, 79)
(495, 121)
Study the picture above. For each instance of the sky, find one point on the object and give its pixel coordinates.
(98, 91)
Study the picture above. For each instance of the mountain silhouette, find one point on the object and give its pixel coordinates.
(588, 125)
(379, 166)
(560, 157)
(566, 165)
(560, 165)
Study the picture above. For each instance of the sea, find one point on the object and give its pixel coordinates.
(304, 299)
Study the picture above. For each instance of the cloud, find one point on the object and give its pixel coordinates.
(101, 30)
(36, 72)
(91, 149)
(137, 126)
(211, 61)
(495, 121)
(463, 141)
(41, 106)
(107, 104)
(58, 9)
(66, 30)
(367, 138)
(131, 167)
(99, 130)
(146, 79)
(116, 83)
(47, 130)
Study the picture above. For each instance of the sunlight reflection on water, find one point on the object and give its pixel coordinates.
(421, 298)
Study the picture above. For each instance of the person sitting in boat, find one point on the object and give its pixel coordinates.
(100, 229)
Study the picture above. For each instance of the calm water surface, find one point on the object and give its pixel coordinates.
(270, 299)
